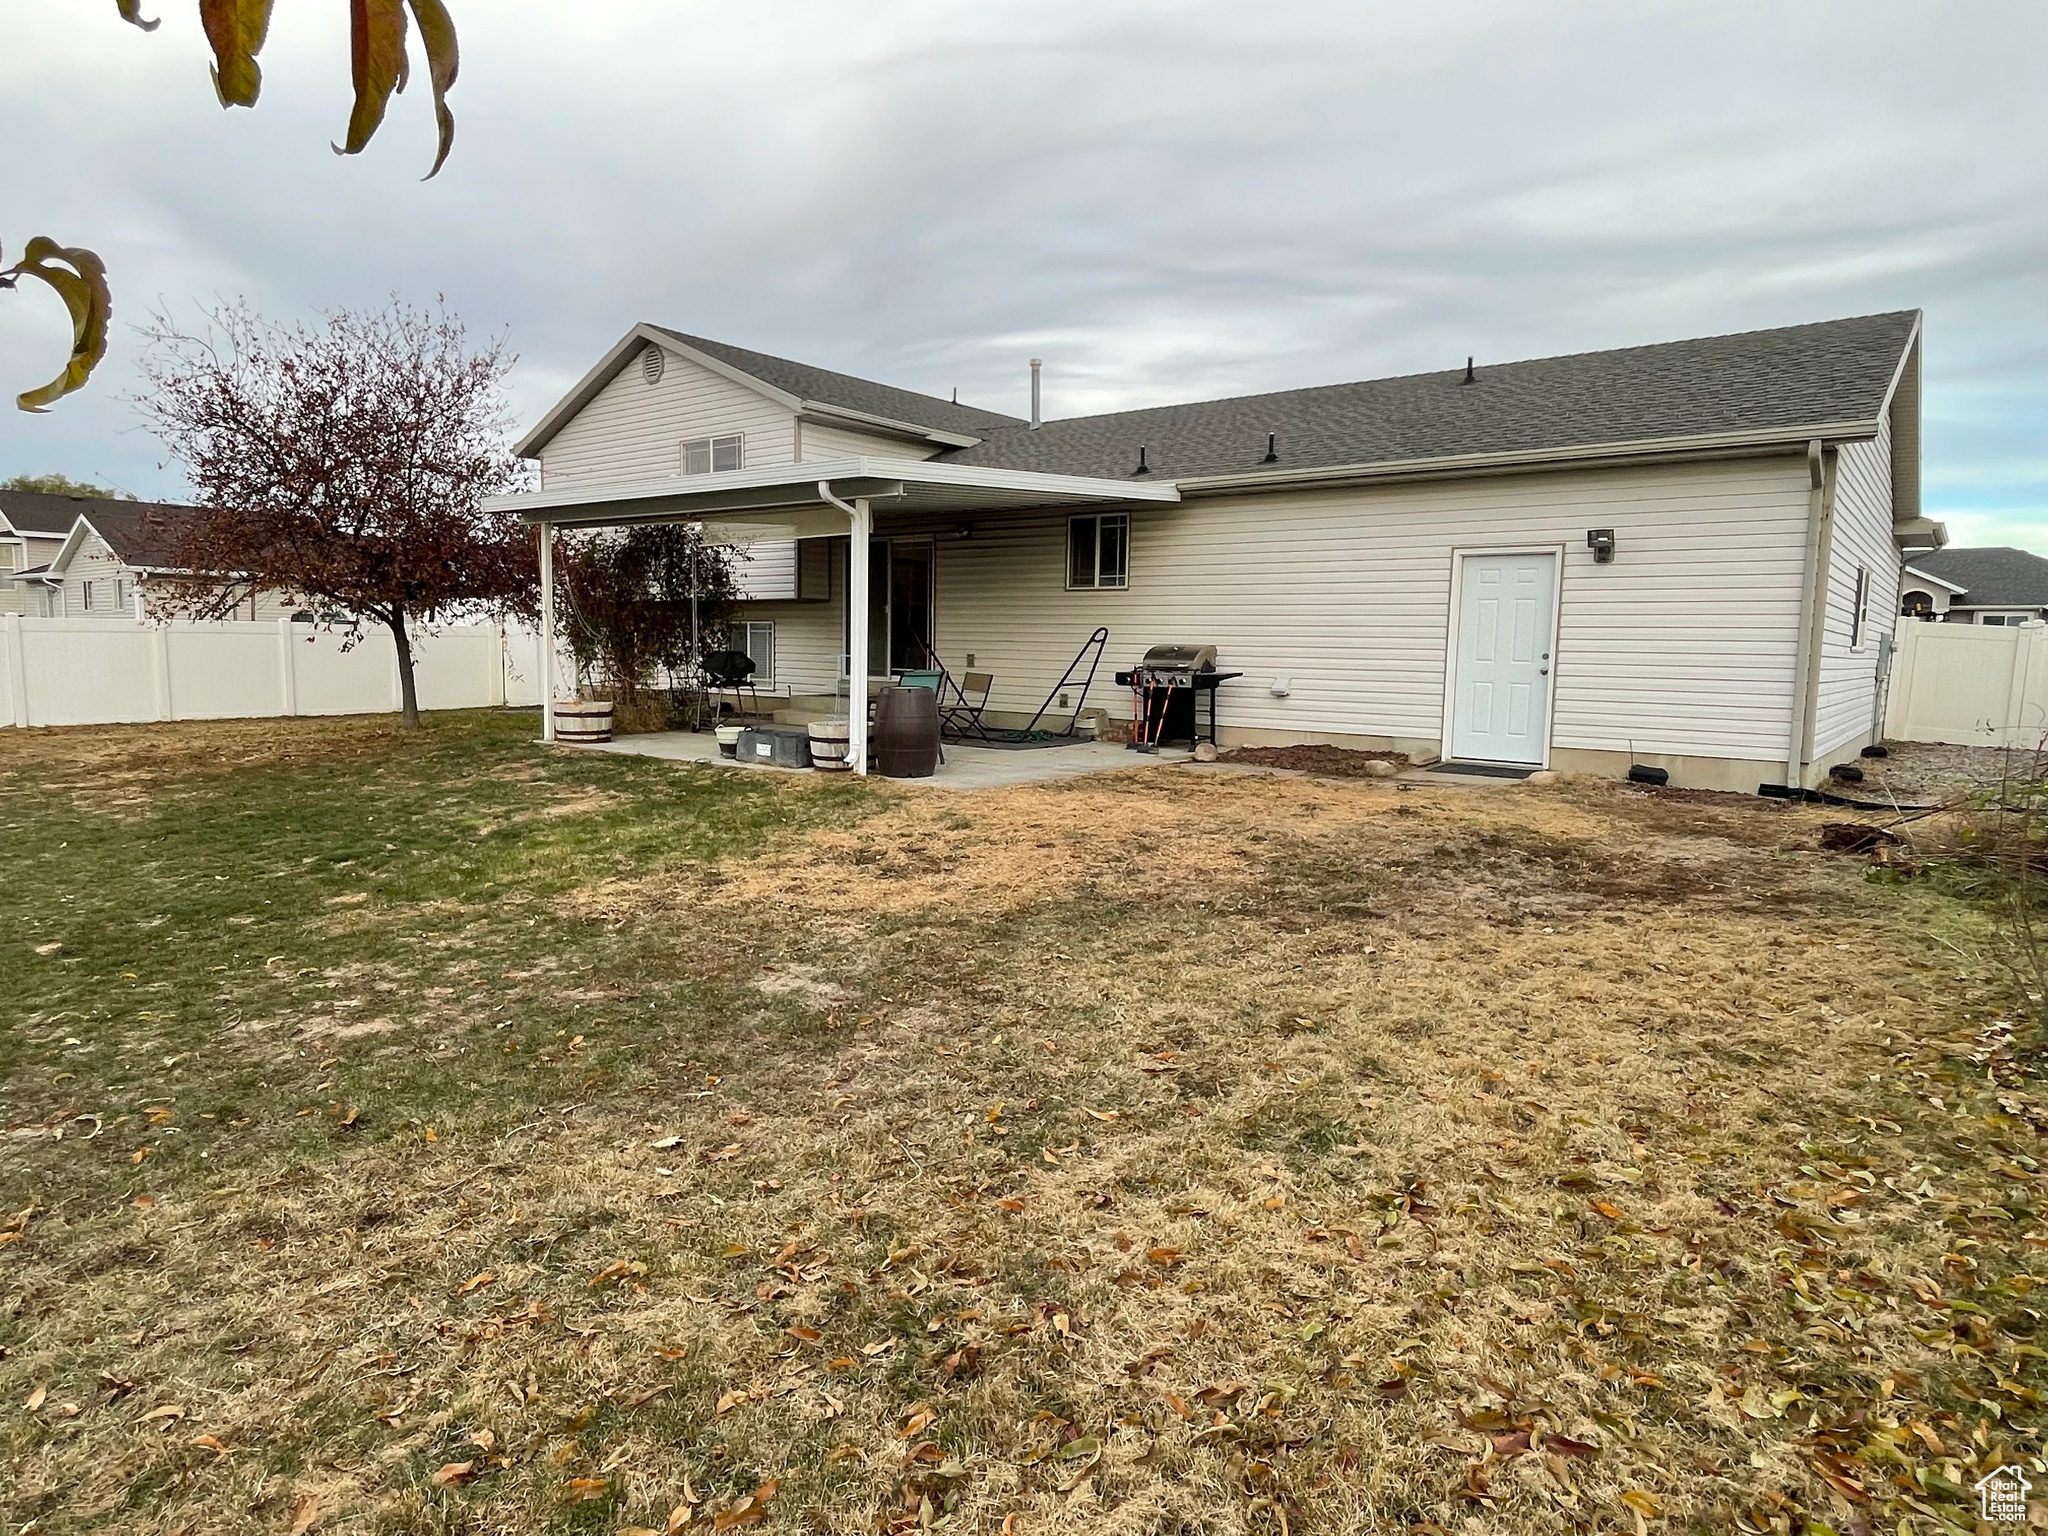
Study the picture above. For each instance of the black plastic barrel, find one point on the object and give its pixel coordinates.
(906, 733)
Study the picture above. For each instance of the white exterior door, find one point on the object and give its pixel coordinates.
(1500, 696)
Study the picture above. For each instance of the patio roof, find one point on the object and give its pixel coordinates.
(793, 497)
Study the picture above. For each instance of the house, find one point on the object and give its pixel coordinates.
(105, 560)
(1976, 586)
(1686, 555)
(32, 530)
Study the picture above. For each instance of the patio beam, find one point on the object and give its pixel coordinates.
(547, 631)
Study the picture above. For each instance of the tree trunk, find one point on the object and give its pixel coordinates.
(408, 688)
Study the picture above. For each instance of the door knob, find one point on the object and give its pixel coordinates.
(1543, 671)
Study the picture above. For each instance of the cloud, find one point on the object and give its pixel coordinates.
(1165, 200)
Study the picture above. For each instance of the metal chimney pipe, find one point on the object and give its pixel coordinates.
(1036, 364)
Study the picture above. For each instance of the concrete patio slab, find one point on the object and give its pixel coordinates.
(964, 768)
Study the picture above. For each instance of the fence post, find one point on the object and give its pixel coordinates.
(17, 674)
(2021, 650)
(160, 669)
(287, 667)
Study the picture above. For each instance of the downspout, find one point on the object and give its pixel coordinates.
(1812, 612)
(860, 527)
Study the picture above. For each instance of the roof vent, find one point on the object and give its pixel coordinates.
(1272, 449)
(1143, 468)
(1470, 376)
(652, 361)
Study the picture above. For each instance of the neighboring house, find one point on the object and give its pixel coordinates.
(1685, 555)
(32, 530)
(1976, 586)
(110, 554)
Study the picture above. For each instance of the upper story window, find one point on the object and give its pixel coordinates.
(1859, 617)
(706, 455)
(1098, 550)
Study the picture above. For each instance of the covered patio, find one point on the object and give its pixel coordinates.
(825, 498)
(965, 767)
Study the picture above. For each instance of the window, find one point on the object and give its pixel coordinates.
(120, 593)
(2003, 618)
(85, 592)
(758, 642)
(1859, 619)
(1098, 550)
(10, 557)
(706, 455)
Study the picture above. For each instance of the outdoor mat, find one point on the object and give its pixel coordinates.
(1481, 770)
(1015, 741)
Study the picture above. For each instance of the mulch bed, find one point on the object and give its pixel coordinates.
(1335, 762)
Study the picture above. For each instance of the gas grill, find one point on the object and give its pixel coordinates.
(1164, 689)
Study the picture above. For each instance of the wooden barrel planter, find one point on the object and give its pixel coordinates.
(831, 745)
(583, 721)
(906, 733)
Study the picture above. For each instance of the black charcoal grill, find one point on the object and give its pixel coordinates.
(1164, 689)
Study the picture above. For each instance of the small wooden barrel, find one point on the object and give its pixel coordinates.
(831, 745)
(906, 733)
(583, 721)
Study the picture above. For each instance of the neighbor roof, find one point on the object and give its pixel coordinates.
(136, 530)
(1990, 578)
(1797, 377)
(844, 390)
(43, 515)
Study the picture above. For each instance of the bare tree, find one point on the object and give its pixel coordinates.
(345, 464)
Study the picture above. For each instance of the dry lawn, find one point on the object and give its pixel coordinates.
(1177, 1151)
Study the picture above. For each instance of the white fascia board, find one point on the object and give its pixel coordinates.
(802, 480)
(1919, 575)
(1905, 357)
(1704, 446)
(60, 561)
(623, 351)
(828, 414)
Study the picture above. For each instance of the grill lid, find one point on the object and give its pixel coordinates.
(1181, 658)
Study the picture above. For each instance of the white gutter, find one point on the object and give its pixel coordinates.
(1470, 463)
(860, 524)
(1812, 611)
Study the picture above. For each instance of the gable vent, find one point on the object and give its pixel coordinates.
(652, 361)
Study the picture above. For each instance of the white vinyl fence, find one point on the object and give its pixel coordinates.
(1977, 685)
(109, 671)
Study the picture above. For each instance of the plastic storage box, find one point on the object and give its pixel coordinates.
(784, 746)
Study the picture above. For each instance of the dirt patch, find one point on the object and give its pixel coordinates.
(803, 983)
(1110, 837)
(1329, 762)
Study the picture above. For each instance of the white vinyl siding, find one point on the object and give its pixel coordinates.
(1847, 694)
(822, 442)
(1683, 645)
(632, 430)
(766, 571)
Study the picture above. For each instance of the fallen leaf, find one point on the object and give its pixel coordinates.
(306, 1514)
(476, 1282)
(35, 1399)
(641, 1399)
(1564, 1445)
(730, 1401)
(454, 1474)
(167, 1412)
(212, 1443)
(1643, 1503)
(580, 1489)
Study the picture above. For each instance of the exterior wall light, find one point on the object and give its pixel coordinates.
(1601, 542)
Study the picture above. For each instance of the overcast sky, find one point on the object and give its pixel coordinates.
(1166, 201)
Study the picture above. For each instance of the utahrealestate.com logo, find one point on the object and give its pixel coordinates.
(2002, 1496)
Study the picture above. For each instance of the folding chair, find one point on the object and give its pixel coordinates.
(970, 698)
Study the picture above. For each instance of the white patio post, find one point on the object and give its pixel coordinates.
(547, 631)
(861, 527)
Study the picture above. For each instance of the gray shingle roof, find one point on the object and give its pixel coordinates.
(1791, 378)
(1995, 578)
(40, 513)
(843, 389)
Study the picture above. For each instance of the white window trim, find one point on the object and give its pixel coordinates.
(710, 443)
(1067, 552)
(745, 647)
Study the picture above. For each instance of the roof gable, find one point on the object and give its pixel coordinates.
(1796, 380)
(134, 531)
(794, 386)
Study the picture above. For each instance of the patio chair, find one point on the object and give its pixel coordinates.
(961, 716)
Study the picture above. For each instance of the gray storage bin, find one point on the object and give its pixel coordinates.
(785, 746)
